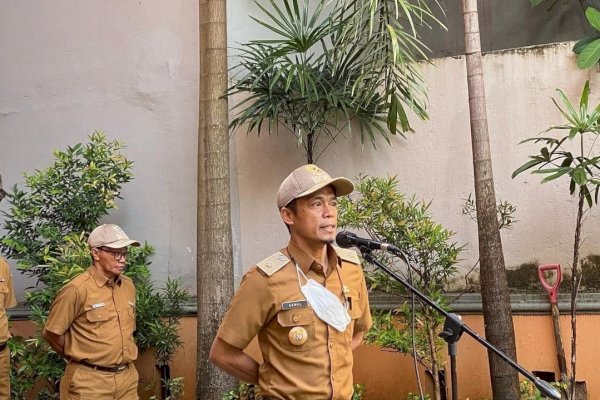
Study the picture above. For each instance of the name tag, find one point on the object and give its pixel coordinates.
(98, 305)
(288, 305)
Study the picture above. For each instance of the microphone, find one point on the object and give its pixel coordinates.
(348, 239)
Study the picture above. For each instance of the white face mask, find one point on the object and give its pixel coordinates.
(326, 305)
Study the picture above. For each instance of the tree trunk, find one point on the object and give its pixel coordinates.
(575, 280)
(2, 192)
(435, 370)
(310, 148)
(214, 254)
(494, 289)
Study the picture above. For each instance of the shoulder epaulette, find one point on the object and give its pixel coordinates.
(273, 263)
(347, 255)
(78, 280)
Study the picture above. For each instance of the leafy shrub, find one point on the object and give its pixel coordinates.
(46, 228)
(387, 215)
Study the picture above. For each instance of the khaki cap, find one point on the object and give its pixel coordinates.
(308, 179)
(110, 235)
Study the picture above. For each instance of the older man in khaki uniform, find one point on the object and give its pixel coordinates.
(92, 320)
(307, 303)
(7, 300)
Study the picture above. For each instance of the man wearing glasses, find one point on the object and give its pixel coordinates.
(92, 320)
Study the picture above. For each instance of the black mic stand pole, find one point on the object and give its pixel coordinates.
(453, 329)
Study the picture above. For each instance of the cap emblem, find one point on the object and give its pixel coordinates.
(317, 174)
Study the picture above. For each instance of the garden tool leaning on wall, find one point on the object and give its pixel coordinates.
(552, 290)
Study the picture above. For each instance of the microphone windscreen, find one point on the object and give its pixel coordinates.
(343, 239)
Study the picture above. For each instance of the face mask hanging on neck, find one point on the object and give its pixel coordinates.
(326, 305)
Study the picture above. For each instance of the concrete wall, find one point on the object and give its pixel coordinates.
(129, 68)
(435, 162)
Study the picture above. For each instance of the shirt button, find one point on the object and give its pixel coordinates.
(331, 345)
(295, 318)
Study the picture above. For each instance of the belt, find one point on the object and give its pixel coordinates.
(114, 369)
(3, 346)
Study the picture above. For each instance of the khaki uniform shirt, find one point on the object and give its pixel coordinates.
(271, 305)
(7, 299)
(97, 317)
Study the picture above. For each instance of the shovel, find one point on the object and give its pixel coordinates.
(553, 294)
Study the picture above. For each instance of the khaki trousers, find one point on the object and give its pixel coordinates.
(82, 383)
(4, 374)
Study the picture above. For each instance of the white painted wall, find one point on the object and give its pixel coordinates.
(129, 68)
(435, 163)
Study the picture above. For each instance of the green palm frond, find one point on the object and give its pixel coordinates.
(332, 65)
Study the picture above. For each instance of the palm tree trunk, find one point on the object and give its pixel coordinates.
(494, 289)
(214, 252)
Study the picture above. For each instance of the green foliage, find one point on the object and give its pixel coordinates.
(416, 396)
(524, 278)
(31, 362)
(158, 315)
(557, 159)
(588, 47)
(390, 332)
(247, 391)
(567, 156)
(46, 229)
(386, 215)
(360, 392)
(336, 62)
(504, 210)
(528, 391)
(176, 387)
(71, 195)
(590, 271)
(244, 391)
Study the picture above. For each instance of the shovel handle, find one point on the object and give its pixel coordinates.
(551, 289)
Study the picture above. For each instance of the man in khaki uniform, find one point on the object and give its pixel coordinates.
(307, 303)
(7, 300)
(92, 320)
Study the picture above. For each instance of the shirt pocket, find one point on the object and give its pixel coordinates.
(292, 325)
(98, 316)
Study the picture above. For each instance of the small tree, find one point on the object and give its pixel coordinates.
(46, 228)
(333, 64)
(385, 214)
(572, 155)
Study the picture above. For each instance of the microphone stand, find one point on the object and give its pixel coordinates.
(454, 328)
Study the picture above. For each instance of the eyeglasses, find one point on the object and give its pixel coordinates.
(117, 255)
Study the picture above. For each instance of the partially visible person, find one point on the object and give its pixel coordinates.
(307, 303)
(92, 320)
(7, 300)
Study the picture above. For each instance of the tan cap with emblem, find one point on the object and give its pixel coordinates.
(308, 179)
(111, 236)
